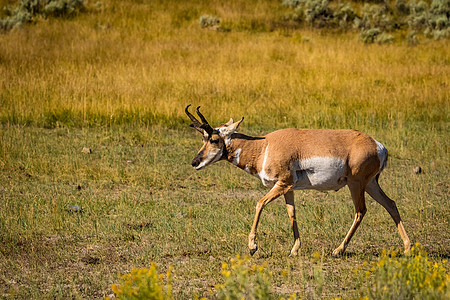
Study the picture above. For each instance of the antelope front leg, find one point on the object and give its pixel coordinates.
(290, 206)
(275, 192)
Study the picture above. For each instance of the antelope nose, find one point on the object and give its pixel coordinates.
(195, 163)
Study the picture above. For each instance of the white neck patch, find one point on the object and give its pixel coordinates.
(236, 156)
(226, 134)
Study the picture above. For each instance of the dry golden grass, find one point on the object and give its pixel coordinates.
(144, 62)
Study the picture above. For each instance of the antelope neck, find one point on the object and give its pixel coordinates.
(242, 149)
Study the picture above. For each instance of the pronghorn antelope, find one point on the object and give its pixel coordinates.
(296, 159)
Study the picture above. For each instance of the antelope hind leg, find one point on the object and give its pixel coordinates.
(290, 206)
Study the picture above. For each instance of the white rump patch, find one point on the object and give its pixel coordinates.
(382, 154)
(319, 173)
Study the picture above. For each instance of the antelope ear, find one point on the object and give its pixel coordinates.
(229, 122)
(230, 129)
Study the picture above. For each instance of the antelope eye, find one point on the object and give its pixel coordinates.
(214, 141)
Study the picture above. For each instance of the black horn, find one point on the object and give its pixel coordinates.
(202, 127)
(205, 125)
(195, 123)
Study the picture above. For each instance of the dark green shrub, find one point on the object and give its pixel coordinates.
(439, 23)
(411, 38)
(63, 8)
(208, 21)
(27, 10)
(16, 20)
(344, 15)
(375, 16)
(317, 13)
(433, 19)
(402, 7)
(418, 15)
(369, 36)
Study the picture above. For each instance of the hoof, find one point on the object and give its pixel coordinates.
(293, 254)
(252, 251)
(337, 253)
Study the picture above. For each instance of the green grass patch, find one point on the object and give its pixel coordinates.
(141, 201)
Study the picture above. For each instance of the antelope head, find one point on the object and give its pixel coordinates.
(215, 140)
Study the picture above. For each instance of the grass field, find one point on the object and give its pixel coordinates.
(116, 80)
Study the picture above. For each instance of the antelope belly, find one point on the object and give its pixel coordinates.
(319, 173)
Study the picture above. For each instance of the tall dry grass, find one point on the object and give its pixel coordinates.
(142, 63)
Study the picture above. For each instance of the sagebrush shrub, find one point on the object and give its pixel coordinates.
(369, 36)
(439, 23)
(63, 7)
(418, 15)
(27, 10)
(208, 21)
(317, 12)
(16, 20)
(411, 38)
(344, 15)
(402, 7)
(374, 20)
(375, 16)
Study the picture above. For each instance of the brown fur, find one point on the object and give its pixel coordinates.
(272, 156)
(287, 145)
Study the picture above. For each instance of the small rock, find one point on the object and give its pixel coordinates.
(86, 150)
(90, 260)
(417, 170)
(74, 208)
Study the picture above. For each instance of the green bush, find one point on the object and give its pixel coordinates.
(439, 23)
(432, 20)
(411, 276)
(144, 284)
(370, 35)
(27, 10)
(317, 13)
(244, 281)
(418, 15)
(344, 16)
(16, 20)
(412, 38)
(375, 16)
(375, 20)
(59, 8)
(208, 21)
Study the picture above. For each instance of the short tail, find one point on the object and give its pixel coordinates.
(382, 155)
(383, 163)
